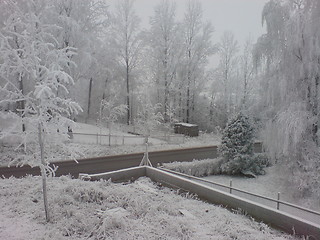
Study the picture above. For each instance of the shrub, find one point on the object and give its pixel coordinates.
(197, 168)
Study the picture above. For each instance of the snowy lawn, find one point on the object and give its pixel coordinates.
(105, 210)
(8, 151)
(275, 180)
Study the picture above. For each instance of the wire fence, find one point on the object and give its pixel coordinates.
(298, 211)
(117, 140)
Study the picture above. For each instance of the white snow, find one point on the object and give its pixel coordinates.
(117, 137)
(87, 146)
(186, 124)
(275, 180)
(105, 210)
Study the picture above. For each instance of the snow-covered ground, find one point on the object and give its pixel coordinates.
(117, 137)
(105, 210)
(268, 185)
(275, 180)
(86, 145)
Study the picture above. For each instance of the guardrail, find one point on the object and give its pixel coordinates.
(305, 213)
(115, 140)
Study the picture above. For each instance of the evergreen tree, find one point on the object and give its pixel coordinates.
(236, 147)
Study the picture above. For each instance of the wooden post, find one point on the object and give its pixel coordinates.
(278, 203)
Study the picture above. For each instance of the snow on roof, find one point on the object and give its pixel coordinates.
(186, 124)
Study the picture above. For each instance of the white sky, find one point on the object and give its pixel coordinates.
(242, 17)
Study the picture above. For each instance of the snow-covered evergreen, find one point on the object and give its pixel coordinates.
(237, 147)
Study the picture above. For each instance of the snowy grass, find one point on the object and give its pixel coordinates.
(90, 149)
(197, 168)
(105, 210)
(275, 180)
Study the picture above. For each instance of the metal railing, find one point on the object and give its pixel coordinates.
(301, 212)
(116, 140)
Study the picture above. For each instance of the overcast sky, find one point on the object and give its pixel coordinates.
(242, 17)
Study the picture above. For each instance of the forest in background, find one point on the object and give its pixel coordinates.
(90, 59)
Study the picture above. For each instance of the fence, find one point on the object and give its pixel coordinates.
(116, 140)
(301, 212)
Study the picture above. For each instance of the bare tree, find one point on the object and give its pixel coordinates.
(198, 46)
(246, 72)
(126, 41)
(166, 50)
(83, 23)
(228, 49)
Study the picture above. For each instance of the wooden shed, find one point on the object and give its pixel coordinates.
(187, 129)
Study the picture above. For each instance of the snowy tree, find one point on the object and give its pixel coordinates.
(289, 52)
(237, 144)
(126, 43)
(29, 54)
(149, 115)
(84, 23)
(165, 44)
(246, 68)
(111, 112)
(228, 49)
(236, 148)
(197, 47)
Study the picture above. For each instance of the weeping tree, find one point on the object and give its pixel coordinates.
(288, 59)
(29, 53)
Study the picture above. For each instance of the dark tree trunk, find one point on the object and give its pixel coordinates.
(128, 96)
(43, 172)
(313, 107)
(188, 104)
(21, 104)
(89, 99)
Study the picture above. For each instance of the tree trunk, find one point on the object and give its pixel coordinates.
(89, 99)
(181, 107)
(166, 84)
(21, 104)
(314, 107)
(128, 95)
(188, 104)
(43, 173)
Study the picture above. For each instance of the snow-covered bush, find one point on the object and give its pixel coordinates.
(236, 148)
(197, 168)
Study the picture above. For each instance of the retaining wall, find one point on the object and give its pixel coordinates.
(278, 219)
(128, 174)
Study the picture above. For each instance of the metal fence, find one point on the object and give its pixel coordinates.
(277, 203)
(116, 140)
